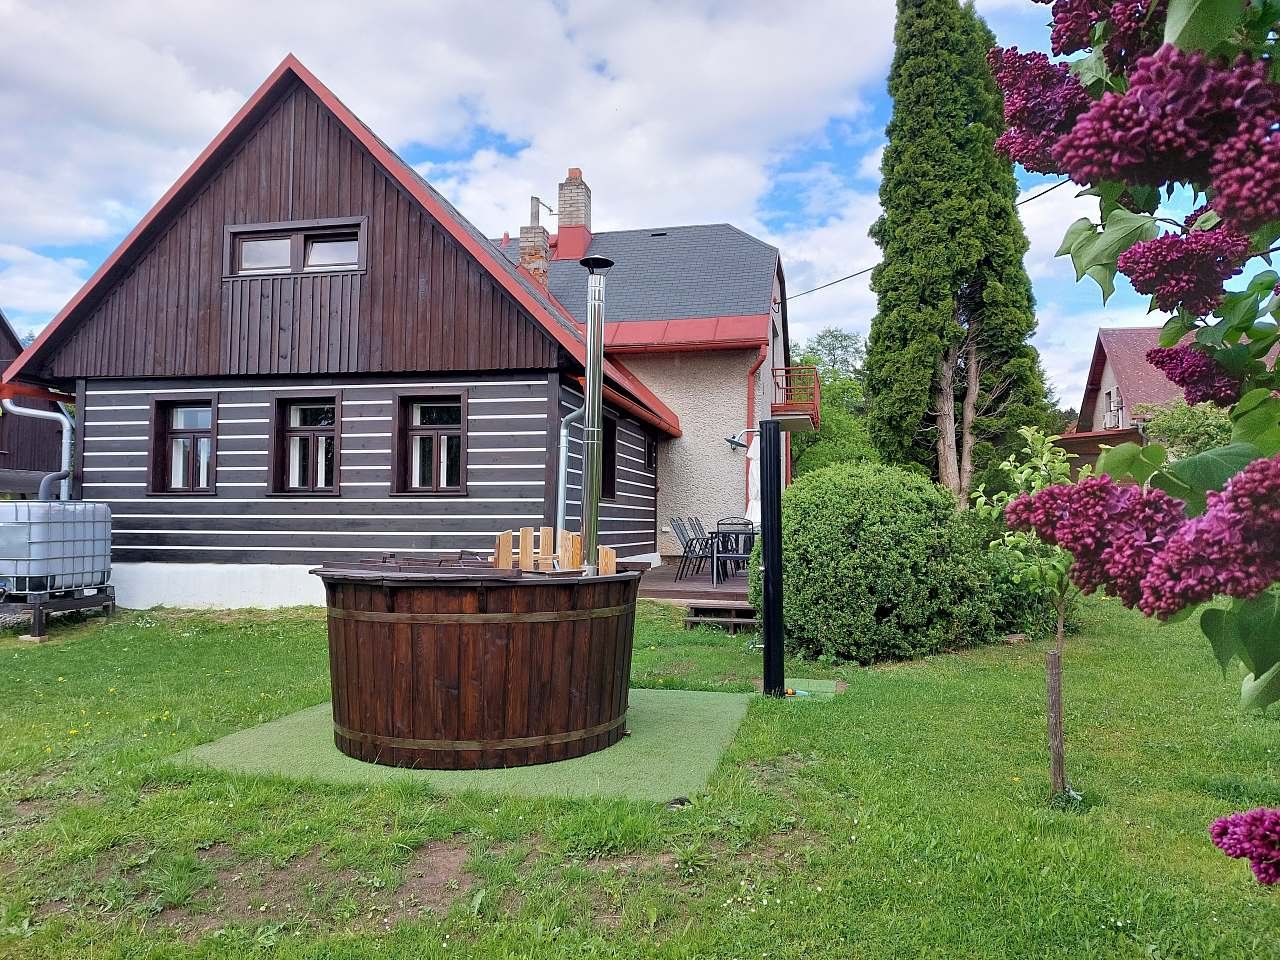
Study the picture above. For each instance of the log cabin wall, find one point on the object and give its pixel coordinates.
(417, 302)
(628, 522)
(510, 454)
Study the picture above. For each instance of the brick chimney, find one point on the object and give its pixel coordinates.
(574, 212)
(535, 245)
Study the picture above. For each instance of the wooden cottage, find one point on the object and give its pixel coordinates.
(304, 352)
(29, 448)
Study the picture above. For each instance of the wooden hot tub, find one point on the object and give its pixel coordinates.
(457, 667)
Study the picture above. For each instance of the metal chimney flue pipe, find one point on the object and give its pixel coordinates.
(593, 422)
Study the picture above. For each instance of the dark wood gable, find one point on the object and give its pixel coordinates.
(422, 303)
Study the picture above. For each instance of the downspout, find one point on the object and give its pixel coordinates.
(562, 482)
(751, 420)
(68, 430)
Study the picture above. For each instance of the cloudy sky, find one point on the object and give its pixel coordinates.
(766, 116)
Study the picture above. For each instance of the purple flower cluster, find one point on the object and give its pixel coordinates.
(1179, 109)
(1041, 103)
(1135, 31)
(1201, 378)
(1073, 20)
(1253, 836)
(1113, 532)
(1232, 549)
(1188, 269)
(1247, 172)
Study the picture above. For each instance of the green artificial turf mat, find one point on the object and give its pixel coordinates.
(677, 736)
(819, 689)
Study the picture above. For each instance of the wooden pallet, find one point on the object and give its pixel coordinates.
(548, 552)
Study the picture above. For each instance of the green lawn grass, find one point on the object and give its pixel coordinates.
(906, 817)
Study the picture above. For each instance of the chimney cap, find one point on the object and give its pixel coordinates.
(597, 264)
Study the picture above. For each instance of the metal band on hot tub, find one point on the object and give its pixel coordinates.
(506, 744)
(532, 616)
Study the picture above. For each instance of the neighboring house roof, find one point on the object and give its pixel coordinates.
(707, 285)
(543, 307)
(1125, 349)
(10, 344)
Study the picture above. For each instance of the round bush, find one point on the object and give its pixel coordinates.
(877, 566)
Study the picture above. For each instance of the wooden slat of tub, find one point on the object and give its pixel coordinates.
(403, 676)
(542, 694)
(447, 638)
(472, 651)
(520, 666)
(578, 692)
(496, 639)
(426, 668)
(351, 647)
(625, 633)
(564, 677)
(338, 669)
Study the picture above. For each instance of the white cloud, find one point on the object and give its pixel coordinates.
(32, 287)
(1045, 219)
(1065, 339)
(869, 166)
(675, 112)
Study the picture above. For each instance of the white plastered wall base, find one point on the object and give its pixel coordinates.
(225, 586)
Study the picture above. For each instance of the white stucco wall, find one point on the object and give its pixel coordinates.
(1107, 382)
(699, 475)
(216, 585)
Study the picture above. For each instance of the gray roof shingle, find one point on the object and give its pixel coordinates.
(670, 273)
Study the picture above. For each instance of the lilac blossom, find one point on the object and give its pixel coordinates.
(1172, 121)
(1232, 549)
(1201, 378)
(1113, 532)
(1253, 836)
(1186, 270)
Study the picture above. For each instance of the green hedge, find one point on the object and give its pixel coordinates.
(878, 565)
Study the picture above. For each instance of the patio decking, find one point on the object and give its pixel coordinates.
(660, 584)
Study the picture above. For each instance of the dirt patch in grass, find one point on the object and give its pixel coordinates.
(306, 890)
(636, 863)
(434, 878)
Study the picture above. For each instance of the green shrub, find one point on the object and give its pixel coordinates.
(1020, 604)
(878, 566)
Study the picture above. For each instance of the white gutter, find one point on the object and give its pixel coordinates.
(68, 431)
(562, 482)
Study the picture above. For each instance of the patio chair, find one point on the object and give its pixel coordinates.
(697, 550)
(698, 529)
(735, 536)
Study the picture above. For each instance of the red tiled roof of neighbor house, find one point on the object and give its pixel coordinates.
(1126, 348)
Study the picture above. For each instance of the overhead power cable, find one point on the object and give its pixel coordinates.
(858, 273)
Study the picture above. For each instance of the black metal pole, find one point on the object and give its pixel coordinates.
(771, 552)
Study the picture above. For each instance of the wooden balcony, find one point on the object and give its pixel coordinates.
(797, 396)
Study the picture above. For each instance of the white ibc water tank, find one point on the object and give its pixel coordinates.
(51, 545)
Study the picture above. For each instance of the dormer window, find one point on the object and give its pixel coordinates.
(313, 246)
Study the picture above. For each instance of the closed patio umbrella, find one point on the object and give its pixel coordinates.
(753, 481)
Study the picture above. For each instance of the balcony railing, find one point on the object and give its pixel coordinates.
(797, 396)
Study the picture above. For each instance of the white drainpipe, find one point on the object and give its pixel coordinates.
(562, 483)
(68, 430)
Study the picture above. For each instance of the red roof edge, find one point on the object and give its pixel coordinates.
(691, 333)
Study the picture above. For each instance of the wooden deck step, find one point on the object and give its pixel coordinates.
(729, 624)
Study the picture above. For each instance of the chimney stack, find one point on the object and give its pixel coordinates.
(535, 245)
(574, 212)
(574, 207)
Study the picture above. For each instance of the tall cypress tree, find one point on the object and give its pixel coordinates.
(950, 374)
